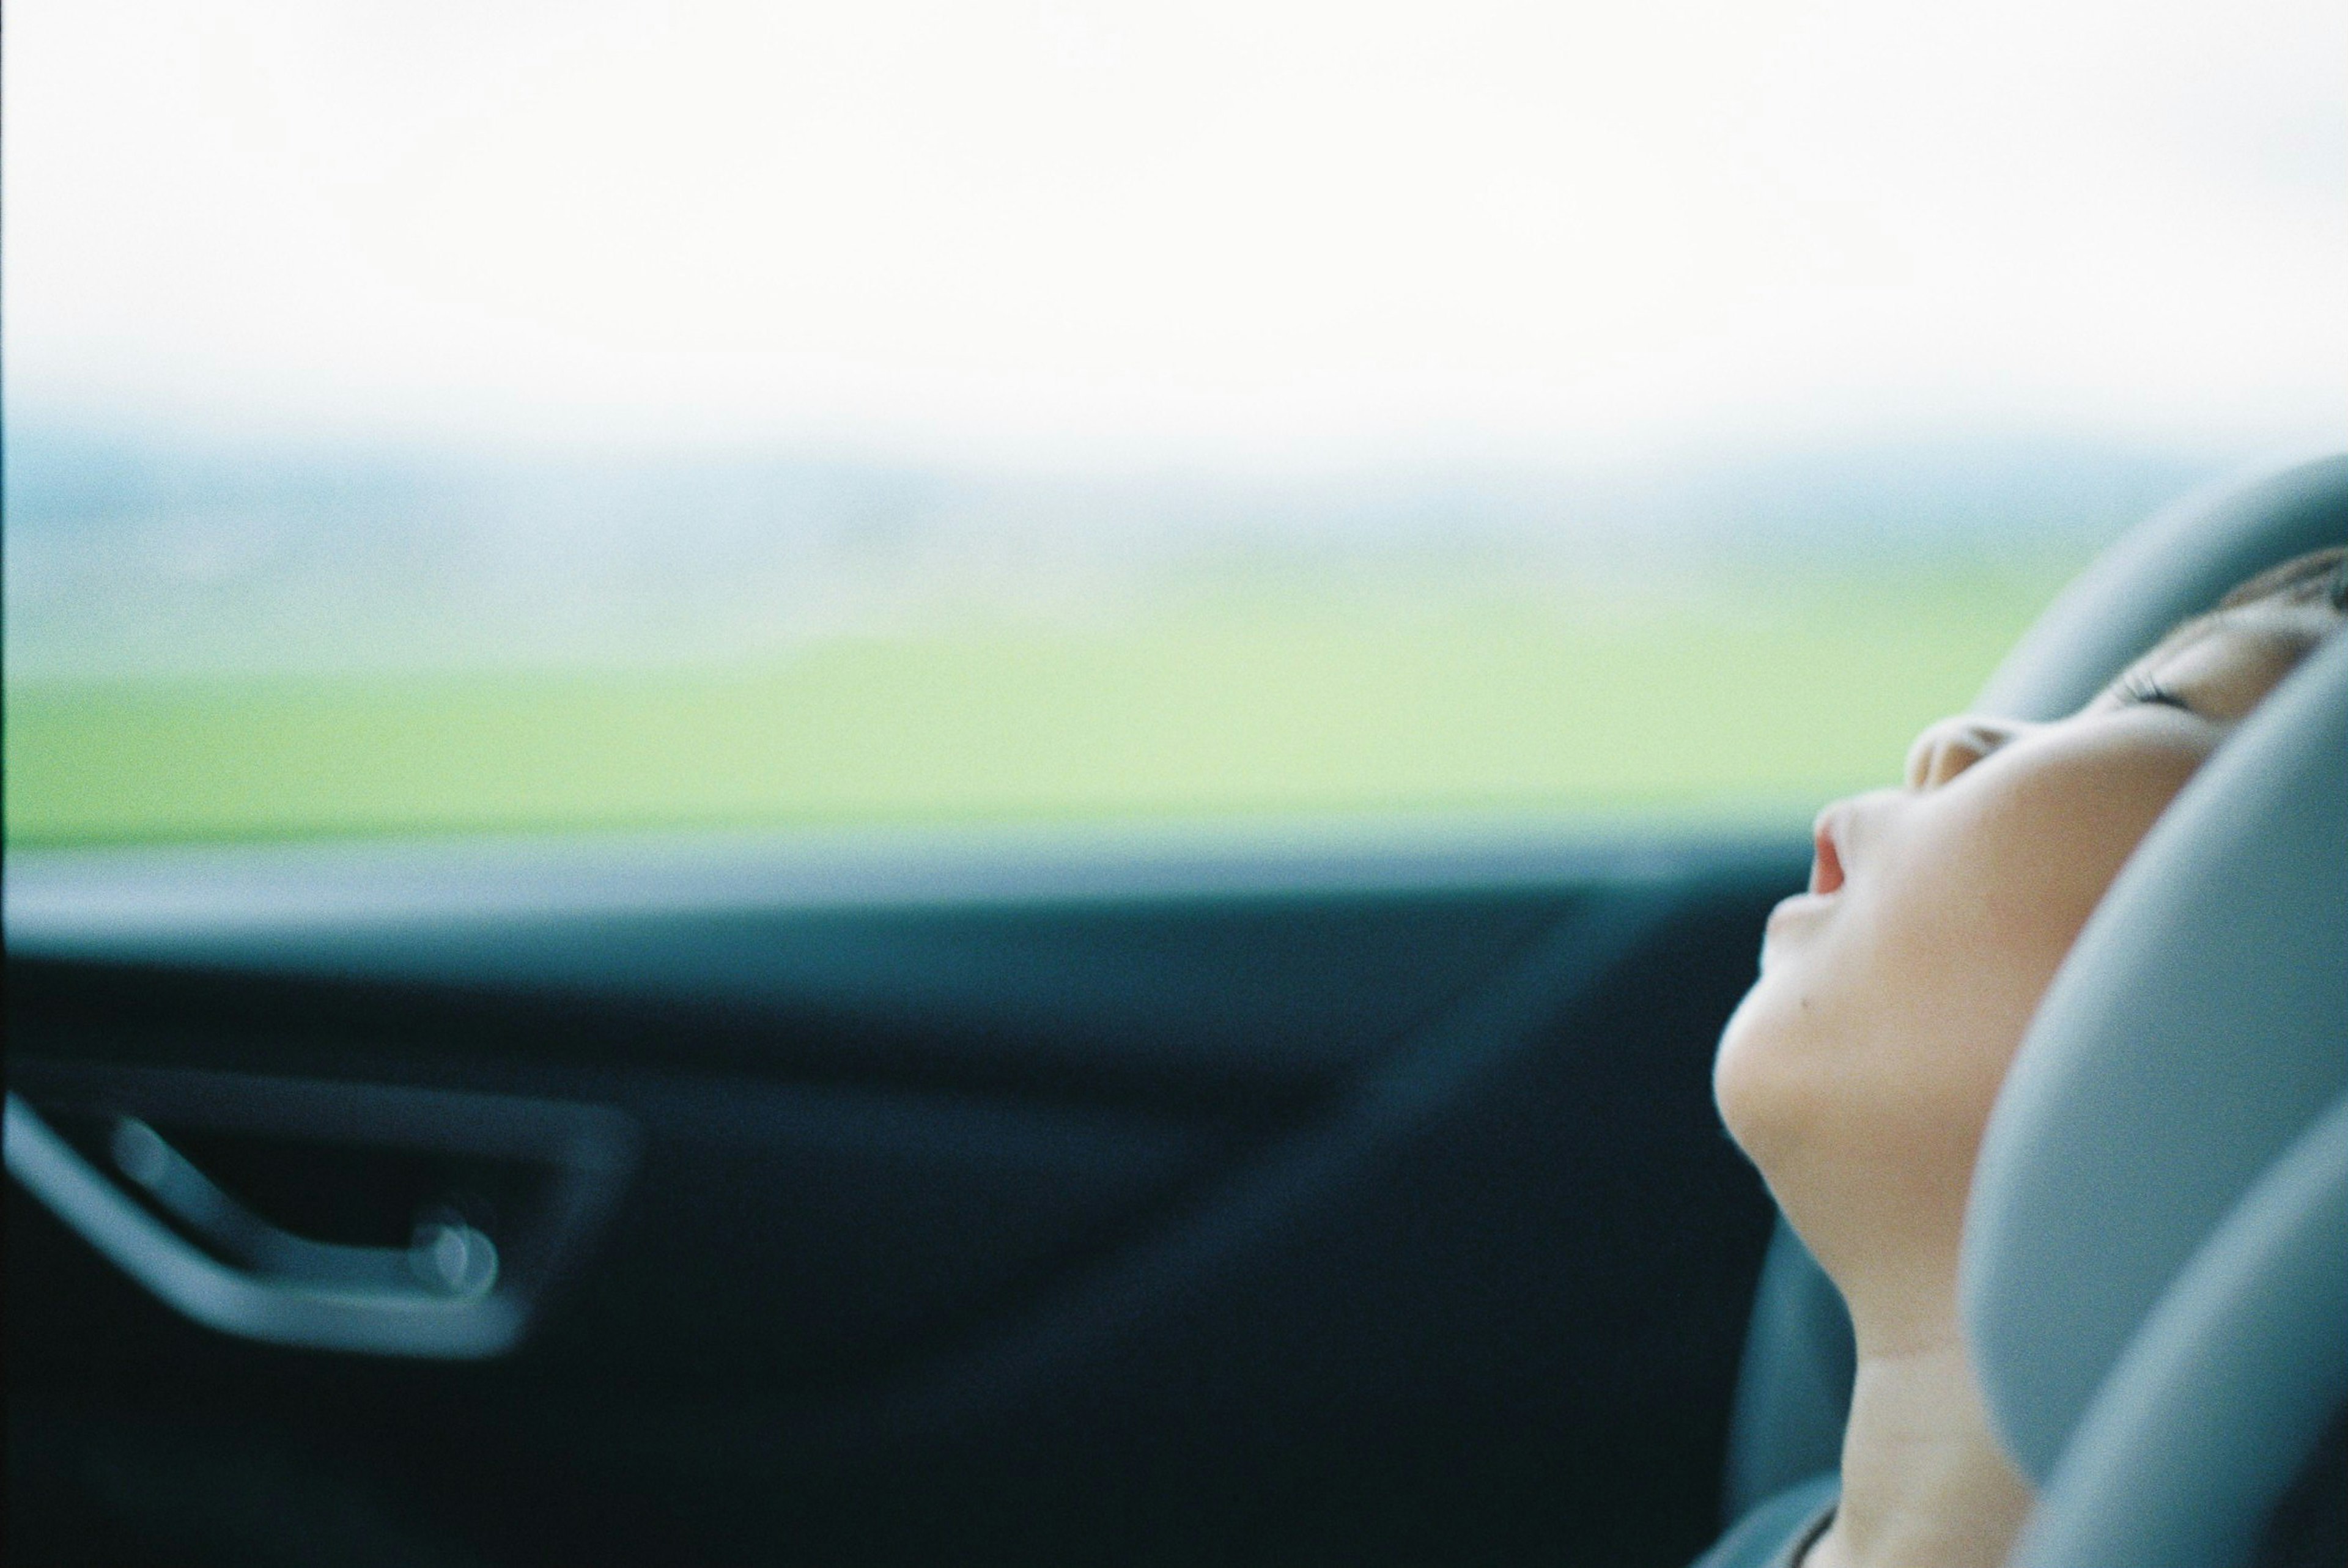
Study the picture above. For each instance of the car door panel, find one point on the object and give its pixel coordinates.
(1380, 1215)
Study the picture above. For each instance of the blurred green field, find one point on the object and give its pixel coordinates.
(1742, 700)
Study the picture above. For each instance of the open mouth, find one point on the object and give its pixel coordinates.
(1826, 868)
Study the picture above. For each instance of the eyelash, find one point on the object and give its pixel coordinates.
(2140, 690)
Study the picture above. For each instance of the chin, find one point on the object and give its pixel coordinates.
(1757, 1089)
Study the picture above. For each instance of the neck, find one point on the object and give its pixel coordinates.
(1924, 1483)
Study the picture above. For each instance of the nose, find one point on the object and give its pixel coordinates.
(1948, 748)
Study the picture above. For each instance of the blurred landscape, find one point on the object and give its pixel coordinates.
(212, 641)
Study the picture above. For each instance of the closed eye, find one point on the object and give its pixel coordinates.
(2141, 688)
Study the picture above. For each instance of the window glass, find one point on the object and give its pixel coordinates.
(444, 418)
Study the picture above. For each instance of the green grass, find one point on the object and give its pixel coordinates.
(1462, 698)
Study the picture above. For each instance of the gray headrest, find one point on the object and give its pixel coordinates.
(2206, 1421)
(2200, 1025)
(2176, 563)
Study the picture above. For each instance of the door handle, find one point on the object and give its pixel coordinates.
(451, 1294)
(448, 1258)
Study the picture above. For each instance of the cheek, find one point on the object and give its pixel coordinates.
(1884, 1030)
(1993, 893)
(1960, 963)
(1982, 901)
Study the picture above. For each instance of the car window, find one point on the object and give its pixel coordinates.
(444, 418)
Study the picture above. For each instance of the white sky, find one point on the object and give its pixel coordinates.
(1255, 227)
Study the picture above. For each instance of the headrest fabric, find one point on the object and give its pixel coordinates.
(2178, 562)
(2203, 1425)
(2198, 1026)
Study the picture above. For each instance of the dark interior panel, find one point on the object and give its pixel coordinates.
(1390, 1226)
(1258, 995)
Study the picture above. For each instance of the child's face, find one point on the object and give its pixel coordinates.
(1860, 1072)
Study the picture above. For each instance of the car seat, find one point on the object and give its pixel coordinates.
(2220, 1438)
(2149, 1179)
(2032, 1302)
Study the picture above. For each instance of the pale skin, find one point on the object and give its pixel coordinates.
(1860, 1072)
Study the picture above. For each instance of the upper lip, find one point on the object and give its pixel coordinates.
(1825, 869)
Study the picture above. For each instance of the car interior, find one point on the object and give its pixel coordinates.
(728, 1199)
(919, 784)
